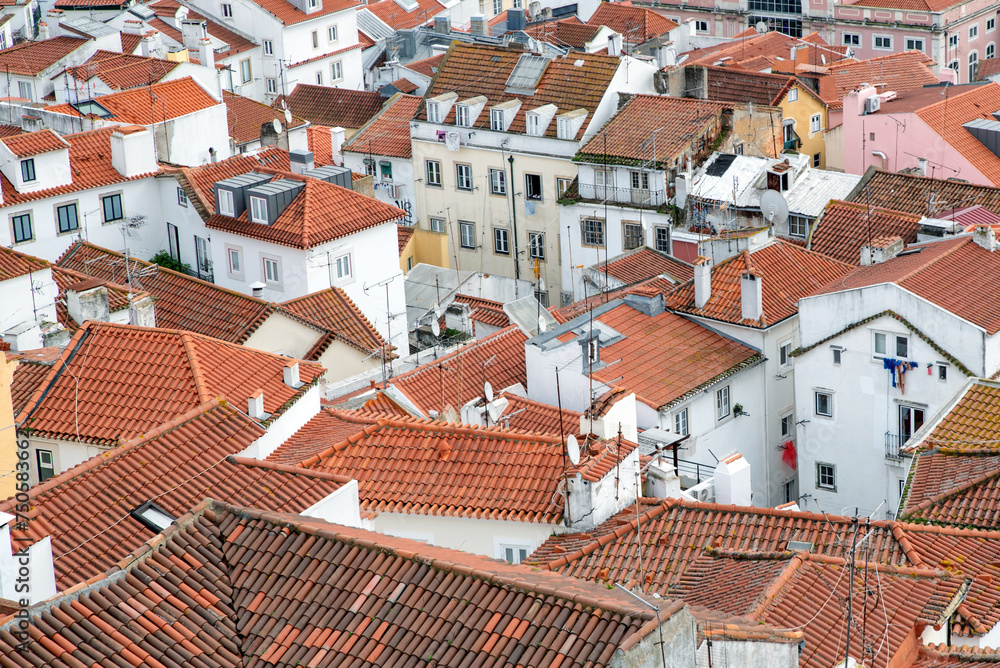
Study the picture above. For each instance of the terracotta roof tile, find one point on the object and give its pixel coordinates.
(176, 98)
(988, 68)
(485, 310)
(289, 14)
(646, 263)
(333, 107)
(230, 586)
(845, 227)
(788, 271)
(201, 179)
(178, 464)
(403, 235)
(388, 133)
(404, 86)
(921, 195)
(246, 116)
(733, 85)
(943, 656)
(67, 278)
(773, 46)
(130, 43)
(28, 377)
(523, 414)
(32, 58)
(915, 5)
(14, 264)
(470, 70)
(956, 274)
(35, 143)
(565, 32)
(321, 144)
(625, 138)
(333, 309)
(122, 70)
(634, 24)
(427, 66)
(947, 117)
(397, 18)
(116, 381)
(899, 72)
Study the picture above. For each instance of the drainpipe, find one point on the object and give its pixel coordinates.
(885, 160)
(513, 209)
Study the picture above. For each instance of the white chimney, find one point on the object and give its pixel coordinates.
(985, 237)
(702, 281)
(191, 32)
(751, 296)
(478, 25)
(88, 300)
(257, 289)
(732, 481)
(255, 406)
(922, 166)
(337, 144)
(132, 151)
(615, 45)
(179, 16)
(53, 19)
(881, 249)
(146, 44)
(206, 54)
(291, 374)
(43, 31)
(133, 27)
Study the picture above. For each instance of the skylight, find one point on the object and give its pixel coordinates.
(526, 75)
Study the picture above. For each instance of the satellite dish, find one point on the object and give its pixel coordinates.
(542, 325)
(761, 27)
(573, 450)
(541, 285)
(288, 116)
(774, 207)
(276, 124)
(488, 391)
(435, 328)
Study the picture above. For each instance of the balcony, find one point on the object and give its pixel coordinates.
(642, 197)
(893, 443)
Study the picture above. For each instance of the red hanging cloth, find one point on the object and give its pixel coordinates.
(788, 455)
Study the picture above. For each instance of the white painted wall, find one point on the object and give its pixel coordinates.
(403, 195)
(341, 507)
(18, 304)
(470, 535)
(279, 431)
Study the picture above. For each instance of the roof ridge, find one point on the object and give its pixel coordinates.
(769, 595)
(57, 368)
(199, 378)
(930, 263)
(286, 468)
(952, 491)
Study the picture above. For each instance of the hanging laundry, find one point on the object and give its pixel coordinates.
(897, 369)
(788, 455)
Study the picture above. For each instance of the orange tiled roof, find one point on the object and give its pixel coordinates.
(947, 116)
(921, 195)
(178, 464)
(201, 179)
(523, 414)
(289, 14)
(456, 378)
(35, 143)
(14, 264)
(321, 144)
(944, 656)
(397, 18)
(130, 43)
(403, 236)
(485, 310)
(914, 5)
(788, 272)
(773, 46)
(333, 107)
(428, 66)
(634, 24)
(471, 70)
(29, 374)
(333, 309)
(565, 32)
(33, 58)
(321, 212)
(987, 68)
(122, 70)
(404, 86)
(174, 99)
(897, 72)
(625, 138)
(246, 116)
(127, 380)
(845, 227)
(735, 85)
(230, 586)
(67, 278)
(646, 263)
(388, 133)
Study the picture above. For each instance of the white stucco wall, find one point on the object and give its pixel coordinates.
(470, 535)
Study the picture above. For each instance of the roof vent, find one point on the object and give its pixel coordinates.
(800, 546)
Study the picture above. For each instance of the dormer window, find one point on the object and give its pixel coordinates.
(496, 120)
(563, 128)
(533, 125)
(258, 210)
(28, 170)
(226, 207)
(433, 112)
(463, 116)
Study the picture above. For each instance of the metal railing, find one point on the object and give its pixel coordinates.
(634, 196)
(893, 443)
(694, 470)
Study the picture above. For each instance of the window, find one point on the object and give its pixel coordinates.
(111, 208)
(173, 242)
(542, 297)
(889, 345)
(793, 95)
(681, 422)
(227, 10)
(433, 112)
(826, 476)
(22, 227)
(632, 235)
(785, 354)
(871, 136)
(498, 182)
(837, 354)
(639, 180)
(789, 491)
(738, 147)
(514, 554)
(433, 169)
(336, 71)
(592, 232)
(496, 120)
(824, 403)
(268, 47)
(234, 257)
(437, 225)
(953, 39)
(497, 6)
(201, 257)
(344, 266)
(990, 24)
(798, 226)
(536, 245)
(604, 177)
(817, 160)
(661, 239)
(182, 198)
(24, 90)
(722, 403)
(788, 425)
(463, 177)
(534, 125)
(66, 216)
(28, 170)
(272, 271)
(258, 210)
(564, 129)
(315, 39)
(952, 65)
(942, 371)
(46, 467)
(911, 419)
(462, 116)
(385, 171)
(882, 42)
(501, 241)
(533, 186)
(272, 85)
(319, 78)
(701, 26)
(991, 50)
(973, 32)
(331, 34)
(369, 167)
(973, 65)
(467, 231)
(815, 123)
(914, 44)
(246, 74)
(852, 39)
(562, 185)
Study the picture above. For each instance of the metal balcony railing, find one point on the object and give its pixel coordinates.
(633, 196)
(892, 445)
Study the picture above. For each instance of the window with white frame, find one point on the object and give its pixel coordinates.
(433, 169)
(437, 224)
(433, 112)
(272, 85)
(785, 354)
(592, 232)
(226, 207)
(246, 73)
(336, 71)
(954, 65)
(315, 39)
(973, 65)
(536, 245)
(534, 124)
(319, 78)
(462, 116)
(562, 185)
(563, 128)
(817, 160)
(793, 95)
(661, 239)
(496, 120)
(798, 226)
(914, 44)
(815, 123)
(991, 50)
(990, 24)
(463, 176)
(344, 266)
(823, 403)
(501, 241)
(542, 297)
(514, 554)
(826, 476)
(268, 47)
(788, 425)
(272, 271)
(953, 39)
(885, 344)
(973, 32)
(258, 210)
(533, 186)
(851, 39)
(467, 231)
(722, 403)
(234, 262)
(701, 26)
(498, 182)
(883, 42)
(942, 371)
(227, 10)
(681, 422)
(838, 353)
(631, 235)
(497, 7)
(331, 33)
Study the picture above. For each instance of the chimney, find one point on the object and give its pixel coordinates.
(732, 481)
(751, 296)
(43, 31)
(88, 300)
(478, 25)
(132, 151)
(337, 144)
(54, 19)
(206, 54)
(442, 24)
(301, 161)
(291, 374)
(702, 281)
(922, 166)
(255, 406)
(985, 237)
(880, 249)
(146, 44)
(192, 32)
(257, 289)
(133, 27)
(615, 45)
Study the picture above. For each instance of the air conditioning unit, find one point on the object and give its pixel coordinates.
(873, 104)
